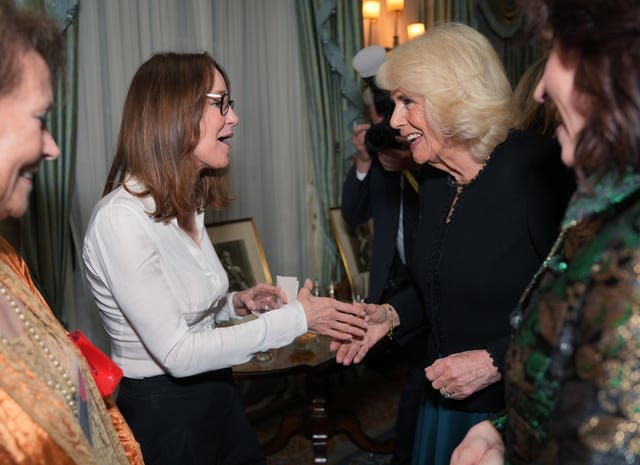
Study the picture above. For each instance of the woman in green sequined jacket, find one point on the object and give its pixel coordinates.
(573, 365)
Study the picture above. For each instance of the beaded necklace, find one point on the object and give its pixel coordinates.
(57, 379)
(460, 188)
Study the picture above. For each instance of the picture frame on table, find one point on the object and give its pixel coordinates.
(354, 246)
(240, 250)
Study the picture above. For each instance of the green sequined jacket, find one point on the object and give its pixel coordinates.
(573, 365)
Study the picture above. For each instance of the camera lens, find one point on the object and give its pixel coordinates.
(381, 137)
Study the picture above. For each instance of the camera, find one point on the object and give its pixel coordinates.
(380, 136)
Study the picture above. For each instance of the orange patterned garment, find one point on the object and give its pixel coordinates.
(37, 426)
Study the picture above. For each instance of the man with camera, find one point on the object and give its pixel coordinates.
(381, 185)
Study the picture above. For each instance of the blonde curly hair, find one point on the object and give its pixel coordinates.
(467, 95)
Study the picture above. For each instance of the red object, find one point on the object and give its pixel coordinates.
(105, 372)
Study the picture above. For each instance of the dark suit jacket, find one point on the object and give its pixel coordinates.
(378, 197)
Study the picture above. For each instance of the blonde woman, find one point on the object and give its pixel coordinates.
(491, 199)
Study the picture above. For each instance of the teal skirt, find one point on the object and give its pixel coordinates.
(439, 430)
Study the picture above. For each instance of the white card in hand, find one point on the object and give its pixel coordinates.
(290, 286)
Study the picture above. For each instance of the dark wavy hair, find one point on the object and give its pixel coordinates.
(159, 131)
(22, 30)
(603, 36)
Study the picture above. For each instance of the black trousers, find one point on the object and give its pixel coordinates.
(199, 420)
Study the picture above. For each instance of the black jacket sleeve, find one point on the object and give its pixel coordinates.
(356, 198)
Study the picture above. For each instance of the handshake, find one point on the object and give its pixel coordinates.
(355, 327)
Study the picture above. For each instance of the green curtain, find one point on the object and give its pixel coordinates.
(432, 12)
(500, 20)
(45, 232)
(330, 35)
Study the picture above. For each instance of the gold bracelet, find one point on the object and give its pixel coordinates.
(390, 318)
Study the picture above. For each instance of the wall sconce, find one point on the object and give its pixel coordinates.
(414, 30)
(370, 12)
(397, 6)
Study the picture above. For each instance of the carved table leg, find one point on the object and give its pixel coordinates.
(348, 423)
(289, 426)
(319, 429)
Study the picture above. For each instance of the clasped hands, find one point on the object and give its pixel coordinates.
(339, 320)
(354, 350)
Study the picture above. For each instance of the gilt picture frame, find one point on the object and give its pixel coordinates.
(240, 250)
(354, 246)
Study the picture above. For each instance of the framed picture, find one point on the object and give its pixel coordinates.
(239, 248)
(354, 245)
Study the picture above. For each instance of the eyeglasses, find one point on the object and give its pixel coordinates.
(223, 102)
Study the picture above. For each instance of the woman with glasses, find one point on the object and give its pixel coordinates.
(159, 285)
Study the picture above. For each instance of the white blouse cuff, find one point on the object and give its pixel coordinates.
(227, 312)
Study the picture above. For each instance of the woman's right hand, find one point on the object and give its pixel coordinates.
(481, 446)
(339, 320)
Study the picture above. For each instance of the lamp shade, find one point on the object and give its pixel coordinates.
(395, 5)
(371, 9)
(414, 30)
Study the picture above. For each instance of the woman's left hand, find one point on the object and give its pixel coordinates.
(260, 296)
(457, 376)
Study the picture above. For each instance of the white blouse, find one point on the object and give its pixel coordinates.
(160, 295)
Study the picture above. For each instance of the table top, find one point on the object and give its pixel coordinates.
(308, 350)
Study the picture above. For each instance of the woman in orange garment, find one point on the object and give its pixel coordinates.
(50, 408)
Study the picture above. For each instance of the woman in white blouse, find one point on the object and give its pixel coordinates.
(159, 284)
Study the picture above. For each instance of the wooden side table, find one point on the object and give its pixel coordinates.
(318, 422)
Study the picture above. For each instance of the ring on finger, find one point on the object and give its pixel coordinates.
(446, 394)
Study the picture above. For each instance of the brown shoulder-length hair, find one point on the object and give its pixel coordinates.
(603, 36)
(160, 130)
(22, 30)
(531, 115)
